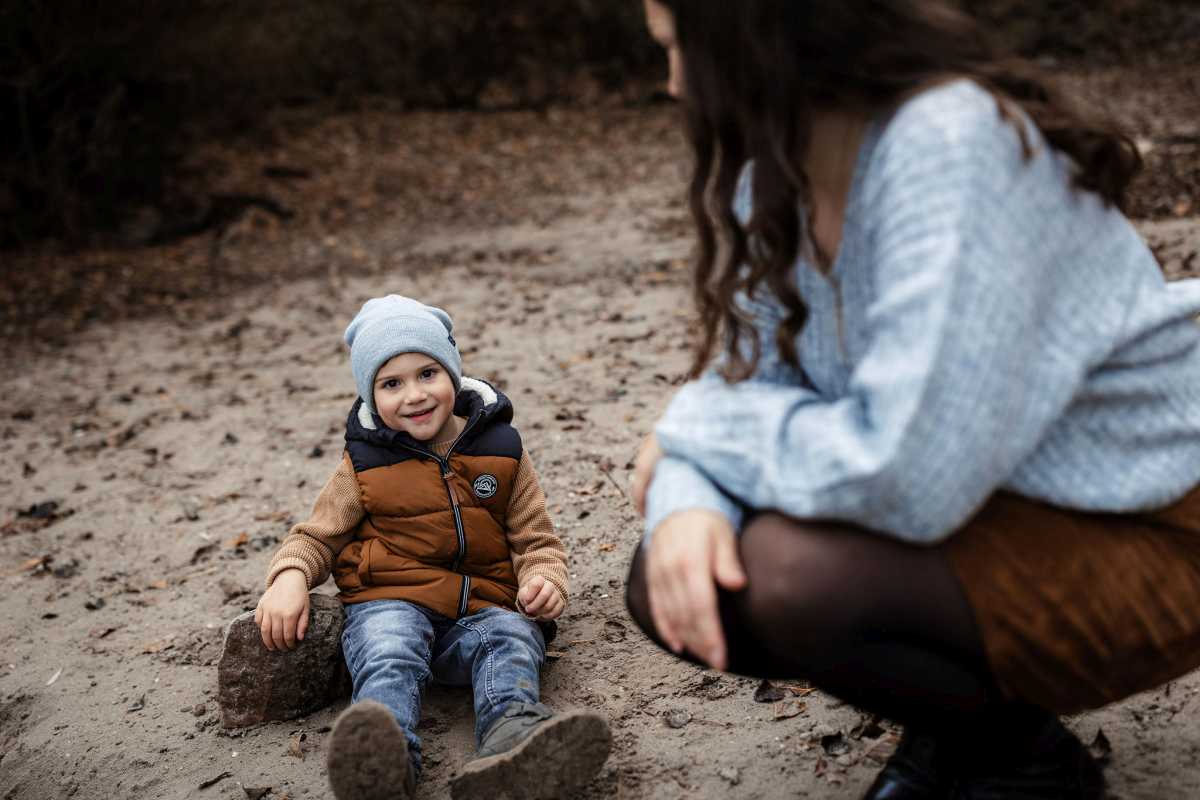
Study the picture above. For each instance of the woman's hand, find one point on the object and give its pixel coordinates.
(282, 613)
(539, 599)
(643, 471)
(690, 554)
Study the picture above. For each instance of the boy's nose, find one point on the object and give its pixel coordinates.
(414, 396)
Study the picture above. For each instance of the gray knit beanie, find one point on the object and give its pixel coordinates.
(387, 326)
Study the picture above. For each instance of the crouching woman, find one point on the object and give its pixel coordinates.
(940, 455)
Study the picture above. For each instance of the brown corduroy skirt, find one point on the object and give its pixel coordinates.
(1078, 610)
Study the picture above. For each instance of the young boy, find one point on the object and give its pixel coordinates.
(436, 532)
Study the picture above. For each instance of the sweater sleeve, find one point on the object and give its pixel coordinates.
(967, 363)
(681, 484)
(313, 545)
(535, 548)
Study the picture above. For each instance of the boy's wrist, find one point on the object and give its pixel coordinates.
(293, 576)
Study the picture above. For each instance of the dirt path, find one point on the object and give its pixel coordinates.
(149, 470)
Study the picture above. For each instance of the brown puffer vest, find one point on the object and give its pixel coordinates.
(434, 529)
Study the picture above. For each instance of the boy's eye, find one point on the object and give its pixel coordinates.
(426, 374)
(390, 383)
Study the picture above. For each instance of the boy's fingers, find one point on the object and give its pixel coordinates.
(264, 630)
(538, 593)
(302, 624)
(540, 605)
(529, 591)
(529, 603)
(277, 634)
(550, 603)
(546, 594)
(290, 626)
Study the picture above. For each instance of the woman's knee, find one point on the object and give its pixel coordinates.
(800, 574)
(637, 601)
(796, 572)
(637, 595)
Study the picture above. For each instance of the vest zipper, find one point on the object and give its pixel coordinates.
(458, 523)
(466, 593)
(447, 474)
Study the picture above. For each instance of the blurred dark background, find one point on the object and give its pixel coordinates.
(101, 100)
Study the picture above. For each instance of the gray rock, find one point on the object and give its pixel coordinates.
(678, 717)
(256, 685)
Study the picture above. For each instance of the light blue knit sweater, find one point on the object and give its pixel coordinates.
(998, 329)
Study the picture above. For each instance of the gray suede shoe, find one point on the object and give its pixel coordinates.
(531, 753)
(368, 756)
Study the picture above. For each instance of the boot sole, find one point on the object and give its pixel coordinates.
(559, 756)
(368, 754)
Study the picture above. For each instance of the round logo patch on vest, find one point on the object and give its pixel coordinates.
(485, 486)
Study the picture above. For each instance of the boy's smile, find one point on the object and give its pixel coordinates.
(414, 394)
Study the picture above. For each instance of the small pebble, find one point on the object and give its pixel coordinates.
(678, 717)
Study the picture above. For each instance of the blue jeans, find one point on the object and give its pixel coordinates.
(393, 648)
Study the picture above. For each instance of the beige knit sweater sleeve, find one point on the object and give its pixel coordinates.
(312, 546)
(536, 549)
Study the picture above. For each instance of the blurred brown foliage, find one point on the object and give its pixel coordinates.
(1094, 32)
(102, 98)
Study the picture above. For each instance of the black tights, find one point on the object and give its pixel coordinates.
(880, 624)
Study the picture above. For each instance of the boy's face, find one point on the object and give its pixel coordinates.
(415, 394)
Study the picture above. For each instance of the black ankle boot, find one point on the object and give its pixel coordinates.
(1055, 766)
(914, 772)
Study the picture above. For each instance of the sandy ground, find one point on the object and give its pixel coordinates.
(176, 449)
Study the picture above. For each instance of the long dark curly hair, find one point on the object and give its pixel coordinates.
(756, 71)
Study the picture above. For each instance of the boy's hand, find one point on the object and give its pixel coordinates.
(540, 599)
(282, 613)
